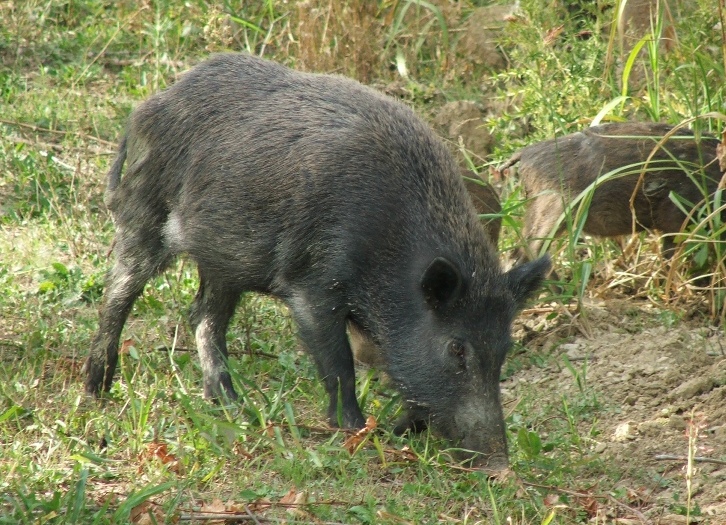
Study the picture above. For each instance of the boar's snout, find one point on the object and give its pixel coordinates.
(492, 463)
(478, 430)
(486, 452)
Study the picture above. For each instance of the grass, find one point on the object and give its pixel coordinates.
(155, 451)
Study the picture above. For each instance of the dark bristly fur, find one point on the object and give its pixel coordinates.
(486, 202)
(337, 200)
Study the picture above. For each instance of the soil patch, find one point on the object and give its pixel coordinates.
(658, 383)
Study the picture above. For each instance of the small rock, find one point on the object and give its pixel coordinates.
(653, 427)
(623, 432)
(692, 388)
(572, 350)
(677, 422)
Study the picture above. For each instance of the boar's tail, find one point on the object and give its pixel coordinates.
(114, 174)
(511, 162)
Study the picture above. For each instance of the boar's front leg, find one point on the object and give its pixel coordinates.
(321, 329)
(211, 312)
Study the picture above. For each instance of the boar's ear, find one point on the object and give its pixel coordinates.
(524, 279)
(441, 282)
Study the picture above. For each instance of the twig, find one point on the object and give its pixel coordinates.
(581, 358)
(164, 348)
(249, 513)
(45, 145)
(57, 147)
(40, 129)
(226, 516)
(563, 491)
(329, 430)
(281, 505)
(537, 311)
(637, 513)
(232, 517)
(699, 459)
(253, 353)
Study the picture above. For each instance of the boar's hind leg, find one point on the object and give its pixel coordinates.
(139, 256)
(541, 216)
(322, 330)
(211, 312)
(411, 421)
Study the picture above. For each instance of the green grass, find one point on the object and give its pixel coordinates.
(71, 73)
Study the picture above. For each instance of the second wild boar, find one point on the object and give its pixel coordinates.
(555, 171)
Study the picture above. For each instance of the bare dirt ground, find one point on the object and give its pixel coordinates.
(658, 382)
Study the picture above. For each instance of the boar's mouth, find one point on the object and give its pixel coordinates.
(474, 448)
(492, 461)
(477, 431)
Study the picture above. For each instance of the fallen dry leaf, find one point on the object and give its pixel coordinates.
(721, 152)
(495, 174)
(125, 345)
(551, 499)
(354, 441)
(269, 430)
(552, 35)
(500, 476)
(293, 497)
(146, 513)
(138, 511)
(638, 497)
(590, 505)
(217, 506)
(293, 500)
(237, 508)
(405, 454)
(158, 450)
(239, 450)
(583, 35)
(259, 505)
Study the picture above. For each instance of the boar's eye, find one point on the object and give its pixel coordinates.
(457, 348)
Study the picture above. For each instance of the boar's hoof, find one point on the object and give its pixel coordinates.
(220, 390)
(99, 377)
(351, 419)
(410, 424)
(493, 463)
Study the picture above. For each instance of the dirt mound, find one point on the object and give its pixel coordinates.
(658, 382)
